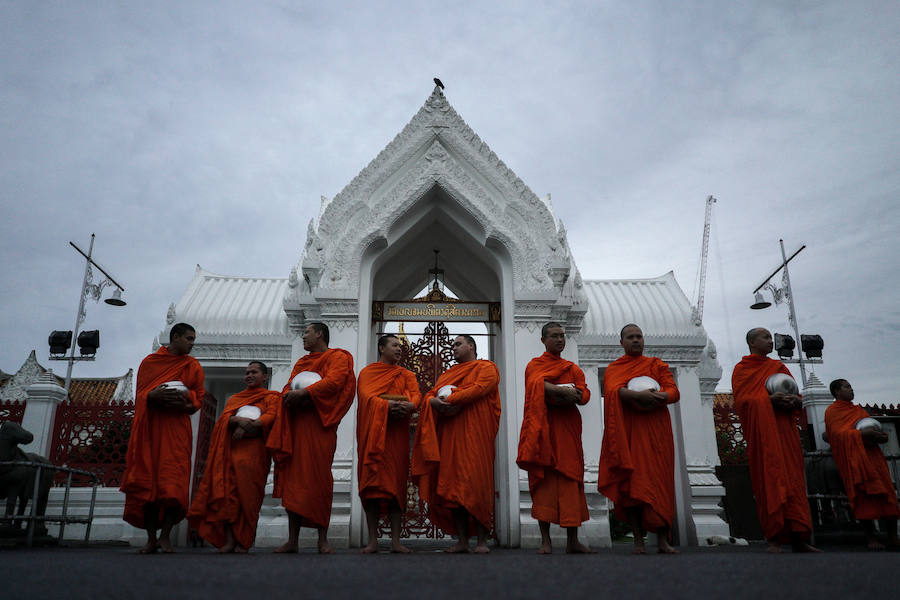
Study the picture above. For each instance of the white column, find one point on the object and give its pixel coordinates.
(596, 531)
(44, 395)
(527, 340)
(816, 399)
(347, 519)
(700, 486)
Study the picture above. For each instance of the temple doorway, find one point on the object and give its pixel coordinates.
(428, 352)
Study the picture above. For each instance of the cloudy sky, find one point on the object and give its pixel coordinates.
(198, 132)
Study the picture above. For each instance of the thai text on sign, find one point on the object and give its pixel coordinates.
(422, 311)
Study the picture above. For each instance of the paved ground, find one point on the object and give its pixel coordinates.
(732, 572)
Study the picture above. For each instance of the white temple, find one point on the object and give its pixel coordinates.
(437, 184)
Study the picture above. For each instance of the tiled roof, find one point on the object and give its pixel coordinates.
(724, 399)
(93, 390)
(658, 305)
(225, 305)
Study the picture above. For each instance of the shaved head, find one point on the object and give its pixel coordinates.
(754, 333)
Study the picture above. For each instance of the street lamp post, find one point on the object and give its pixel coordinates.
(759, 303)
(94, 290)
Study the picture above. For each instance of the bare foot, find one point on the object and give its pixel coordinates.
(287, 548)
(545, 549)
(240, 550)
(149, 548)
(226, 549)
(370, 549)
(399, 548)
(804, 547)
(639, 549)
(324, 548)
(481, 549)
(166, 546)
(578, 548)
(773, 548)
(458, 548)
(664, 548)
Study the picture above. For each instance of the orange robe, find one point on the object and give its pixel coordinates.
(773, 450)
(383, 443)
(302, 442)
(637, 455)
(158, 461)
(550, 444)
(862, 468)
(234, 482)
(461, 473)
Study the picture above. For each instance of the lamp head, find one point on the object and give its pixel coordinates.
(116, 299)
(759, 302)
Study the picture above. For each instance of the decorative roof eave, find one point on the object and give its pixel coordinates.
(15, 388)
(436, 148)
(423, 125)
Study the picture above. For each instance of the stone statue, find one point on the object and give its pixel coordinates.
(17, 481)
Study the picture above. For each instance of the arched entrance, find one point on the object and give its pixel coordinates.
(397, 266)
(428, 352)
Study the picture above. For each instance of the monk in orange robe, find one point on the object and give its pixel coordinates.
(388, 395)
(157, 475)
(861, 465)
(226, 505)
(769, 424)
(304, 437)
(550, 441)
(637, 457)
(458, 483)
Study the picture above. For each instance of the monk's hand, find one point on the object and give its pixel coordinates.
(782, 401)
(660, 397)
(404, 408)
(297, 399)
(164, 397)
(644, 401)
(251, 428)
(568, 396)
(395, 409)
(442, 407)
(872, 437)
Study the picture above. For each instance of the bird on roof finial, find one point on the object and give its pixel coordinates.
(438, 83)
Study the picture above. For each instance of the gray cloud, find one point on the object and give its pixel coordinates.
(187, 133)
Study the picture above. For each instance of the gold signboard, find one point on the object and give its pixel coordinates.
(483, 312)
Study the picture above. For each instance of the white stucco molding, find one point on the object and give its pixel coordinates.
(436, 148)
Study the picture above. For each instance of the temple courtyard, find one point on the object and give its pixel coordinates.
(107, 571)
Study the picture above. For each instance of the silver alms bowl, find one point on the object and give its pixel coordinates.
(643, 383)
(445, 392)
(176, 385)
(304, 379)
(782, 382)
(868, 423)
(249, 411)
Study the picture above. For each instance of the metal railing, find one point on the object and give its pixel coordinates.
(62, 519)
(829, 504)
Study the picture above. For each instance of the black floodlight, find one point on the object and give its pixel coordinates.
(812, 345)
(88, 342)
(60, 342)
(784, 345)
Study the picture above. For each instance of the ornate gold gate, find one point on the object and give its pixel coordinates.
(428, 356)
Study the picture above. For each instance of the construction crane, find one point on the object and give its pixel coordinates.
(697, 311)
